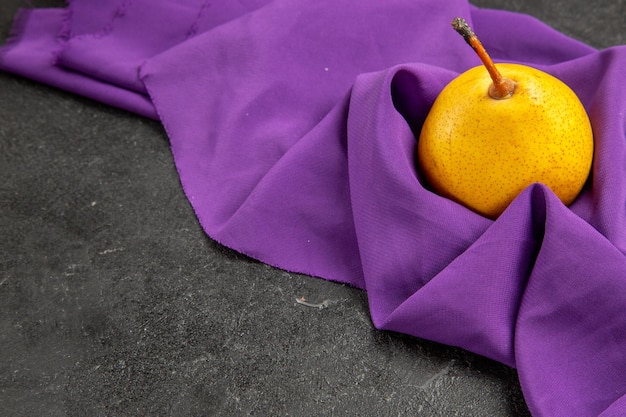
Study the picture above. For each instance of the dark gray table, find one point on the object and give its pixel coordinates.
(114, 302)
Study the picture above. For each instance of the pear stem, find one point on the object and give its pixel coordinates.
(502, 87)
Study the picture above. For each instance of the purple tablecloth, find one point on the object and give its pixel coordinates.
(293, 128)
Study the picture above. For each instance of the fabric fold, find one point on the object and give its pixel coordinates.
(569, 334)
(33, 53)
(113, 50)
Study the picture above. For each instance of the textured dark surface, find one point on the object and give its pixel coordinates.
(114, 302)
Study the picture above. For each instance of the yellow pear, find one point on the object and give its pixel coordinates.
(498, 128)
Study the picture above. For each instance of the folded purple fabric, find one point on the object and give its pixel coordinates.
(33, 52)
(293, 128)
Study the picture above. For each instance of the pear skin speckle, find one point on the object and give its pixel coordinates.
(482, 152)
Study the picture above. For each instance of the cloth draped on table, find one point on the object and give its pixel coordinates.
(293, 127)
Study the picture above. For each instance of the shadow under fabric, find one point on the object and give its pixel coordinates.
(293, 129)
